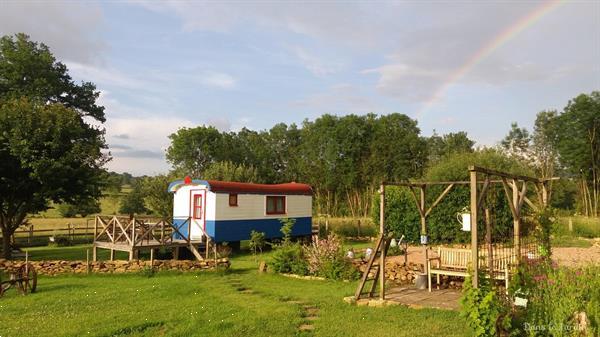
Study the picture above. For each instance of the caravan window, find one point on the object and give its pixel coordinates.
(233, 200)
(275, 204)
(197, 211)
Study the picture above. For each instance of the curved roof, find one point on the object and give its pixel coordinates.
(249, 188)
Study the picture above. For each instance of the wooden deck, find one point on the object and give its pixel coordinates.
(135, 234)
(448, 299)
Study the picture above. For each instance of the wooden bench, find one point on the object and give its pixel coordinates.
(456, 262)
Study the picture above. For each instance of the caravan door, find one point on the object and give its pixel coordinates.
(197, 213)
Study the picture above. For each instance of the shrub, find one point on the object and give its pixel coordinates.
(287, 225)
(325, 258)
(257, 241)
(288, 258)
(558, 299)
(486, 312)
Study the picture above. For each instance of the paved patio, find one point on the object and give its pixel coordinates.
(440, 299)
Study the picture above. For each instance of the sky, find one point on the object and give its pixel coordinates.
(474, 66)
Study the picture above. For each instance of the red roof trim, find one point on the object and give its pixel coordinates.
(235, 187)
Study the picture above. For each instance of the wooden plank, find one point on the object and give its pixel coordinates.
(483, 191)
(474, 211)
(369, 265)
(417, 203)
(502, 174)
(382, 245)
(508, 197)
(439, 198)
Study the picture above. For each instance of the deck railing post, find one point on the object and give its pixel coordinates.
(189, 233)
(133, 231)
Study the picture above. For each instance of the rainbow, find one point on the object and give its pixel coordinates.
(501, 39)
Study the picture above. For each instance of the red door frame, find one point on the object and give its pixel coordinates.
(203, 207)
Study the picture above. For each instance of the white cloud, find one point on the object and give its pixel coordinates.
(105, 75)
(316, 64)
(340, 98)
(218, 80)
(70, 29)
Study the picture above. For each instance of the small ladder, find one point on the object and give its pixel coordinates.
(383, 244)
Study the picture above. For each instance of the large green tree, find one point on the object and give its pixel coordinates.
(28, 68)
(46, 153)
(578, 142)
(48, 149)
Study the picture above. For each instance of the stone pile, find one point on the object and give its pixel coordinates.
(78, 267)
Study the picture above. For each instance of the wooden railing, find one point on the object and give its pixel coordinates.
(138, 231)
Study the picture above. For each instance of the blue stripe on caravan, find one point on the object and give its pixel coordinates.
(237, 230)
(182, 226)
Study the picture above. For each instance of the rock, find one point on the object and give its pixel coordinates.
(350, 300)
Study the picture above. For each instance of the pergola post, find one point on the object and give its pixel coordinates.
(474, 211)
(517, 219)
(423, 226)
(382, 233)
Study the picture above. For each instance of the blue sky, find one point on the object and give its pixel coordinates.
(165, 65)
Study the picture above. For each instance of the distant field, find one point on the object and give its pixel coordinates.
(585, 227)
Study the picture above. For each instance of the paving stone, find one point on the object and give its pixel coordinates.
(306, 327)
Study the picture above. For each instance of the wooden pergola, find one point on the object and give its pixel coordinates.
(515, 188)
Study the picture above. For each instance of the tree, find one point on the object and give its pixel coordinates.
(229, 171)
(47, 152)
(29, 69)
(545, 154)
(156, 196)
(133, 202)
(517, 143)
(578, 144)
(442, 146)
(83, 208)
(192, 150)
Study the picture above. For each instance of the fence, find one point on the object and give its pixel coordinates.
(32, 235)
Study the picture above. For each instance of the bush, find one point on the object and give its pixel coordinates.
(325, 258)
(288, 258)
(559, 299)
(257, 241)
(486, 312)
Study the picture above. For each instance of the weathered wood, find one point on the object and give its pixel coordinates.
(134, 234)
(503, 174)
(382, 245)
(483, 192)
(474, 212)
(488, 240)
(439, 198)
(369, 265)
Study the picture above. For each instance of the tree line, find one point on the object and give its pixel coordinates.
(344, 158)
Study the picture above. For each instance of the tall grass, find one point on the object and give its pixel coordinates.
(585, 227)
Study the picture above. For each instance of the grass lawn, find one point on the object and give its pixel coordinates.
(204, 304)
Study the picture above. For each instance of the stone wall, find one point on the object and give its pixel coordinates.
(79, 267)
(395, 271)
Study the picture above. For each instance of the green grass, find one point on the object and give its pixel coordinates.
(587, 227)
(569, 241)
(204, 304)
